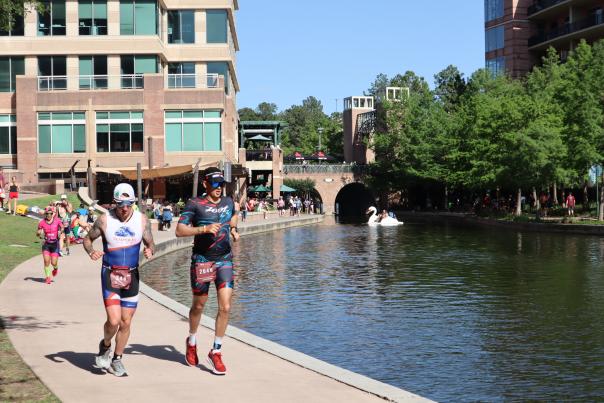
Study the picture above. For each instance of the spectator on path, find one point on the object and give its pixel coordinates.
(13, 195)
(570, 204)
(281, 206)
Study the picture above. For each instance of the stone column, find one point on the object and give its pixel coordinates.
(154, 117)
(277, 171)
(73, 72)
(27, 156)
(113, 17)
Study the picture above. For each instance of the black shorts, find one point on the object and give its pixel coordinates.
(225, 274)
(50, 248)
(126, 298)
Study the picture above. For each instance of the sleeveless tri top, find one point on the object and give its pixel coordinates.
(122, 241)
(51, 230)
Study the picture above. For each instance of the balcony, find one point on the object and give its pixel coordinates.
(541, 5)
(91, 82)
(192, 81)
(259, 155)
(593, 20)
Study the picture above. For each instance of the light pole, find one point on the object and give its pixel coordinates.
(320, 130)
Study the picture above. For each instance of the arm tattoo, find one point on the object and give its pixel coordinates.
(95, 232)
(148, 236)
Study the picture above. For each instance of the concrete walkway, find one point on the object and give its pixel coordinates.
(56, 329)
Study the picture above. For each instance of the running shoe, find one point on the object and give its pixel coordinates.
(215, 361)
(61, 253)
(191, 355)
(55, 272)
(117, 368)
(103, 359)
(48, 280)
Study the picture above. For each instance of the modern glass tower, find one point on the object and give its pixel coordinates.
(113, 83)
(518, 32)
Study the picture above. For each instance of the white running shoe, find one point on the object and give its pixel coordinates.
(117, 368)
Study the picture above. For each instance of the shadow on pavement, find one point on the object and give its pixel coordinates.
(36, 279)
(30, 323)
(164, 352)
(83, 361)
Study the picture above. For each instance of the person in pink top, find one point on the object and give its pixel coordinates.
(50, 229)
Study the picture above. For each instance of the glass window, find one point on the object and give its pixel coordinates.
(44, 139)
(222, 69)
(53, 72)
(181, 75)
(62, 139)
(192, 137)
(494, 38)
(102, 138)
(217, 31)
(188, 131)
(126, 17)
(211, 137)
(173, 137)
(10, 68)
(93, 17)
(61, 132)
(139, 64)
(493, 9)
(211, 114)
(138, 17)
(120, 131)
(52, 21)
(16, 27)
(181, 26)
(93, 72)
(496, 66)
(8, 134)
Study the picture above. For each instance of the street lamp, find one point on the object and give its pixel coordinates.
(320, 130)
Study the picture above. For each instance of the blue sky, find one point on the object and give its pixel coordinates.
(331, 49)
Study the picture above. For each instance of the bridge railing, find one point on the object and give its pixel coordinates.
(324, 168)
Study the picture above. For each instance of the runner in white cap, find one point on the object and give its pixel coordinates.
(122, 230)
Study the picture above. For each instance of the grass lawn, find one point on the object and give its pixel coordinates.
(17, 381)
(43, 201)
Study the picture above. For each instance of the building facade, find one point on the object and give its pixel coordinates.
(113, 83)
(519, 32)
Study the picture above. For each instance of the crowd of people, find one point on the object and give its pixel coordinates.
(9, 193)
(291, 205)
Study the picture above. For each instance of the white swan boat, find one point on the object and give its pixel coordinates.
(384, 222)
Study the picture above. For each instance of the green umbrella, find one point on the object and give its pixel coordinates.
(287, 189)
(261, 188)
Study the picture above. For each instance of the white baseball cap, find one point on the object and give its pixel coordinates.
(123, 192)
(63, 196)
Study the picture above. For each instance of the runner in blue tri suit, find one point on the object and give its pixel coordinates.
(212, 219)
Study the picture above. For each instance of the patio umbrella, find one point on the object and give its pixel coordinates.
(321, 156)
(296, 156)
(286, 189)
(261, 188)
(259, 137)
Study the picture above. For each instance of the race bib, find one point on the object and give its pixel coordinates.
(120, 278)
(205, 272)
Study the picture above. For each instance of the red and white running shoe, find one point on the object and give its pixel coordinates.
(215, 361)
(191, 355)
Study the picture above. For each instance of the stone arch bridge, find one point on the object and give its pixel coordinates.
(329, 179)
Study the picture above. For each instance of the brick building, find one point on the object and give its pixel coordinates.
(518, 32)
(113, 83)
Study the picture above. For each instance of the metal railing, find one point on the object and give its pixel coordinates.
(324, 168)
(259, 155)
(52, 83)
(565, 29)
(98, 82)
(542, 5)
(91, 82)
(192, 81)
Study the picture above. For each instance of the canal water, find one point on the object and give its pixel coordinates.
(445, 311)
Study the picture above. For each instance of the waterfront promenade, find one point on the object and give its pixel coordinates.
(56, 330)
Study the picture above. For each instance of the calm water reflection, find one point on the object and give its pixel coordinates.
(447, 312)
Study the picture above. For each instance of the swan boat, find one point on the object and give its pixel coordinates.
(384, 222)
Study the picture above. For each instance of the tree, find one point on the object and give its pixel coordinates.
(9, 9)
(449, 87)
(378, 86)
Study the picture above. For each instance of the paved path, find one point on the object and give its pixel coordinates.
(56, 329)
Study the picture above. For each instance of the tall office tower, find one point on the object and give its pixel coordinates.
(519, 32)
